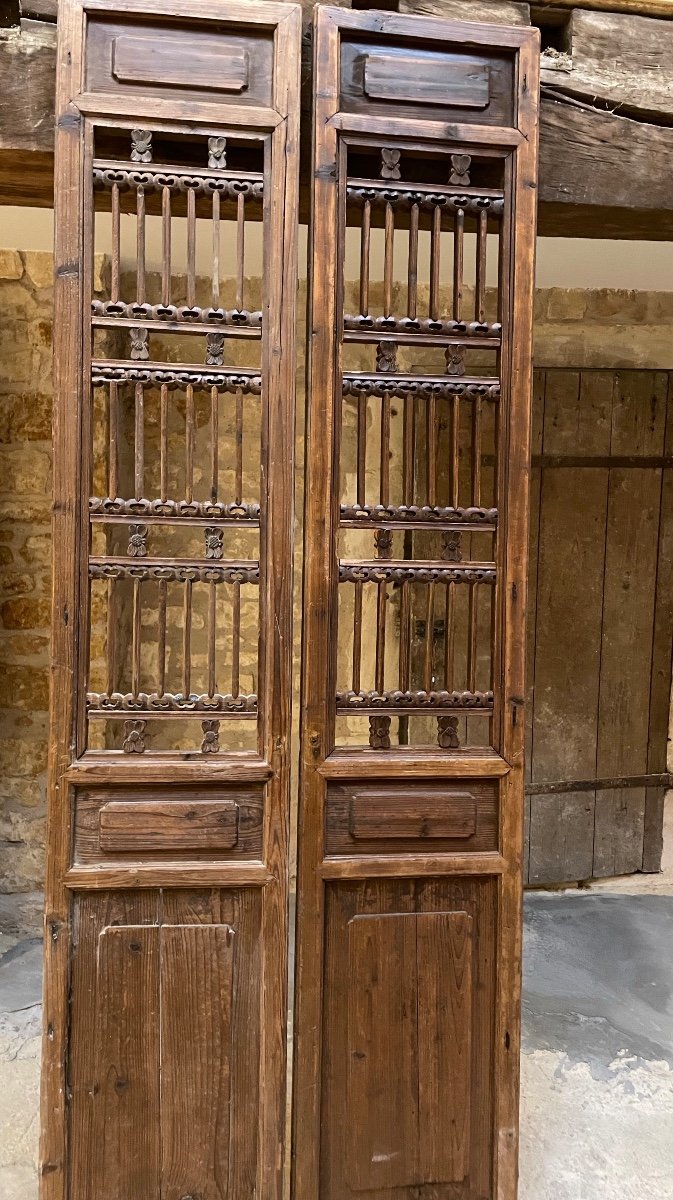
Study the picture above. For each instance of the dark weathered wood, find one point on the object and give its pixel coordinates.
(583, 188)
(577, 415)
(172, 825)
(638, 423)
(662, 652)
(601, 658)
(399, 876)
(199, 1015)
(626, 61)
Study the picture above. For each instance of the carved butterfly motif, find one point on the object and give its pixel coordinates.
(460, 168)
(217, 152)
(390, 164)
(386, 356)
(141, 145)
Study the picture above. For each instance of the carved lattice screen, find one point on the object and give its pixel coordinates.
(166, 957)
(411, 796)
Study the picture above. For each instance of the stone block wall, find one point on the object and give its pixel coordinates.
(573, 328)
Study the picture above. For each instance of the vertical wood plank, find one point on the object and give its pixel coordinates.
(662, 647)
(571, 553)
(444, 968)
(383, 1051)
(638, 427)
(196, 1002)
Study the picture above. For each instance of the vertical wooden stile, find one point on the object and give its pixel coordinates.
(165, 998)
(411, 778)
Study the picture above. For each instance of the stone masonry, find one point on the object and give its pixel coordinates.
(573, 328)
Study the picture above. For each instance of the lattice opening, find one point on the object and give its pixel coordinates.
(176, 443)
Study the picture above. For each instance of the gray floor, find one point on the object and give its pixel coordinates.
(597, 1067)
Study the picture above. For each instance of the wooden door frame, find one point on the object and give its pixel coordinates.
(71, 767)
(319, 761)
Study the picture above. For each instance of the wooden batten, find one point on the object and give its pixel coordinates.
(167, 858)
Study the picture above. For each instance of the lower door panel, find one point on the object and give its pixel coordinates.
(408, 1037)
(165, 1025)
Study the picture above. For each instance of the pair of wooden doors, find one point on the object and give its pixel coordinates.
(168, 879)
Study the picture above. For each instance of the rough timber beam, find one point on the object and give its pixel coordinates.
(593, 162)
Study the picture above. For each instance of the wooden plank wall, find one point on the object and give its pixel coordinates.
(600, 619)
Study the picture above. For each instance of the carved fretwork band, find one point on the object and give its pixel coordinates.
(226, 380)
(175, 572)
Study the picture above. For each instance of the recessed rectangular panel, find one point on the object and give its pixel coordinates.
(411, 817)
(177, 825)
(163, 823)
(406, 814)
(418, 81)
(179, 60)
(184, 64)
(409, 1048)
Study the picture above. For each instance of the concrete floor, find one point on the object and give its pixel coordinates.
(597, 1065)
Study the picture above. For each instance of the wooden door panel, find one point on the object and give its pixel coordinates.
(409, 1033)
(411, 789)
(599, 668)
(165, 1050)
(167, 891)
(408, 1036)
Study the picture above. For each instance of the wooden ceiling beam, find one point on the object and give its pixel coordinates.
(593, 163)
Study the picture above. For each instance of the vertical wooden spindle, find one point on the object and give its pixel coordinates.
(449, 636)
(431, 447)
(236, 641)
(214, 443)
(136, 621)
(429, 637)
(480, 297)
(365, 235)
(163, 441)
(240, 249)
(163, 602)
(362, 450)
(212, 598)
(454, 451)
(238, 483)
(496, 455)
(113, 442)
(472, 627)
(165, 246)
(384, 466)
(435, 261)
(476, 452)
(458, 252)
(140, 245)
(412, 269)
(189, 443)
(139, 456)
(191, 247)
(357, 636)
(187, 641)
(115, 256)
(388, 251)
(216, 249)
(111, 639)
